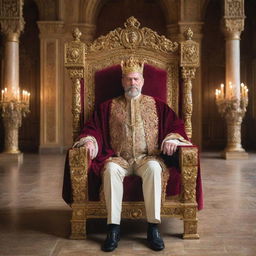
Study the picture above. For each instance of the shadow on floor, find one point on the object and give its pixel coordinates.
(50, 221)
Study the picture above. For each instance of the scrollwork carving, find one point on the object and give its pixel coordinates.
(233, 110)
(12, 113)
(190, 213)
(234, 25)
(189, 56)
(189, 168)
(133, 37)
(76, 107)
(190, 227)
(169, 211)
(133, 213)
(78, 161)
(75, 54)
(11, 8)
(188, 74)
(234, 8)
(78, 229)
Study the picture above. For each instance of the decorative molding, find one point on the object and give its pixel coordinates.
(187, 107)
(78, 161)
(11, 19)
(189, 51)
(234, 8)
(132, 37)
(76, 107)
(189, 61)
(233, 110)
(47, 28)
(233, 22)
(12, 113)
(189, 169)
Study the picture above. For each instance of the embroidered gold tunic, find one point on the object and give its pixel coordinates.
(134, 130)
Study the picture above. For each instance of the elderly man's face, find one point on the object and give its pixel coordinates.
(132, 84)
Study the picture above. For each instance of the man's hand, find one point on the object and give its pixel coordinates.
(89, 145)
(169, 148)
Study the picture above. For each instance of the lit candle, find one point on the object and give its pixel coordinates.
(230, 90)
(246, 92)
(5, 94)
(222, 90)
(216, 94)
(242, 90)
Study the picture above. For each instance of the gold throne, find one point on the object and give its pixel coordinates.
(84, 62)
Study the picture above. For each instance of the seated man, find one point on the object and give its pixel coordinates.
(130, 140)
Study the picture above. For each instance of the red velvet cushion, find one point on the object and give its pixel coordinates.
(108, 83)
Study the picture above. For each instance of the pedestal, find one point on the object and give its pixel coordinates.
(11, 157)
(233, 110)
(231, 155)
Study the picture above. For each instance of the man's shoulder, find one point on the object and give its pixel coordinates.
(155, 99)
(109, 101)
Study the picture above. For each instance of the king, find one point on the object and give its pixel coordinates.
(132, 134)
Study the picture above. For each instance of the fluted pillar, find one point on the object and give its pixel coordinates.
(233, 108)
(12, 24)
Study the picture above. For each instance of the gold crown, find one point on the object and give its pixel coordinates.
(132, 65)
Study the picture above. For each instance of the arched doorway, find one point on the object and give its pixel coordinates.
(248, 71)
(1, 87)
(30, 77)
(213, 74)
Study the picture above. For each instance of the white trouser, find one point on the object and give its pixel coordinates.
(113, 177)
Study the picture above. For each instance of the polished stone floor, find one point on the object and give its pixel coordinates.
(35, 221)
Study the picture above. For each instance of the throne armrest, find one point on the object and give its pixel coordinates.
(188, 157)
(79, 162)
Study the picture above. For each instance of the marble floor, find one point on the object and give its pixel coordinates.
(34, 221)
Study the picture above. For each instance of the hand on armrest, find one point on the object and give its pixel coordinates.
(169, 147)
(90, 144)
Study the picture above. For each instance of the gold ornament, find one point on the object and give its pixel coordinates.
(132, 65)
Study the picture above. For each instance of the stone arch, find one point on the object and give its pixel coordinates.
(213, 74)
(204, 8)
(171, 10)
(149, 13)
(30, 64)
(90, 9)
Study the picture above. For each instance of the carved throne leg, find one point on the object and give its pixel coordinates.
(78, 223)
(190, 223)
(78, 162)
(189, 169)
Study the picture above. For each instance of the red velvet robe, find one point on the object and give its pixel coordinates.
(98, 127)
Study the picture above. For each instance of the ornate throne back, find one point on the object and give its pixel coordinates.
(96, 74)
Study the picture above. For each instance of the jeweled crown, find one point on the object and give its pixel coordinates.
(132, 64)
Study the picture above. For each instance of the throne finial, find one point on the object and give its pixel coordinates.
(77, 34)
(132, 22)
(188, 34)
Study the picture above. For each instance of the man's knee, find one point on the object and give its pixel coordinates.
(112, 169)
(154, 167)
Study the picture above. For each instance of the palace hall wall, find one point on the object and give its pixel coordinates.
(49, 23)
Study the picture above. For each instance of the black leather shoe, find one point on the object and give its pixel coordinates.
(112, 239)
(156, 243)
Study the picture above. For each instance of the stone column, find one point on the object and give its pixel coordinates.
(12, 24)
(233, 108)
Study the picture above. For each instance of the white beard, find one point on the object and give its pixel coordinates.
(130, 93)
